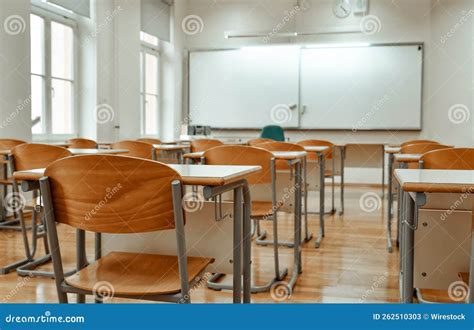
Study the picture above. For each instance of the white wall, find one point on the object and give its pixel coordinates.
(15, 91)
(400, 21)
(450, 73)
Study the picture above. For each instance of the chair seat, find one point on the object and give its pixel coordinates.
(261, 209)
(137, 274)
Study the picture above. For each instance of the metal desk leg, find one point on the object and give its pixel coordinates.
(307, 235)
(247, 242)
(81, 259)
(383, 172)
(390, 185)
(407, 255)
(321, 201)
(343, 156)
(390, 205)
(237, 253)
(400, 202)
(297, 268)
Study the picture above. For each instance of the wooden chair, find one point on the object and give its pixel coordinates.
(80, 143)
(136, 149)
(149, 200)
(261, 210)
(8, 144)
(27, 157)
(150, 141)
(6, 181)
(420, 148)
(273, 132)
(204, 144)
(280, 146)
(258, 141)
(416, 142)
(449, 159)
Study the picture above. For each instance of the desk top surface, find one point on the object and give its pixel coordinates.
(209, 175)
(284, 155)
(392, 149)
(408, 158)
(170, 147)
(424, 180)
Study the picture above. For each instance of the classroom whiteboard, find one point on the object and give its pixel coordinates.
(348, 88)
(362, 88)
(244, 88)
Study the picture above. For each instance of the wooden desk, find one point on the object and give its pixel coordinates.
(176, 149)
(79, 152)
(216, 180)
(415, 184)
(361, 155)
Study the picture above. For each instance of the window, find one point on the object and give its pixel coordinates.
(149, 87)
(52, 76)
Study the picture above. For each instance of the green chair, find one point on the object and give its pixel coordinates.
(273, 132)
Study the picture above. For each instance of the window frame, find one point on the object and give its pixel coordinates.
(154, 50)
(46, 122)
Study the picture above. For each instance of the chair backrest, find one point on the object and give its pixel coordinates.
(452, 159)
(245, 156)
(8, 144)
(416, 142)
(317, 143)
(273, 132)
(80, 143)
(421, 148)
(136, 149)
(31, 156)
(150, 141)
(280, 146)
(258, 141)
(112, 194)
(204, 144)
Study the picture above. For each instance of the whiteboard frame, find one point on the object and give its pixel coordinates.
(420, 44)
